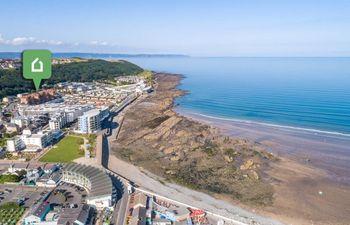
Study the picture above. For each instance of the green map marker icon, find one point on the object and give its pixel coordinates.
(36, 65)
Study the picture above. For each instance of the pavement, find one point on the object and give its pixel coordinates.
(120, 210)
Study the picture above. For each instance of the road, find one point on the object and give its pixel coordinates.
(120, 209)
(121, 185)
(111, 127)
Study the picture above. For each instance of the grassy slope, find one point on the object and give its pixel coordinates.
(67, 150)
(12, 82)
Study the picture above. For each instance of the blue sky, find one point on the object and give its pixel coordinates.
(200, 28)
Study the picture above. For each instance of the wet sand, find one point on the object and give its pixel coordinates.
(312, 179)
(328, 152)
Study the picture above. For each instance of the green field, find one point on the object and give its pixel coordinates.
(9, 178)
(66, 150)
(10, 213)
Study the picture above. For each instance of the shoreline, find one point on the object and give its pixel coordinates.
(306, 147)
(307, 168)
(297, 185)
(305, 174)
(325, 133)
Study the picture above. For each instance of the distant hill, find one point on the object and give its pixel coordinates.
(12, 82)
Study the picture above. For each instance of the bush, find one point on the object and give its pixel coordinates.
(210, 148)
(9, 178)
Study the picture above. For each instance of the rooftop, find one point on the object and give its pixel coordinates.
(70, 215)
(101, 184)
(92, 112)
(41, 209)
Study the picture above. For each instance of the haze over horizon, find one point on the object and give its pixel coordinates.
(195, 28)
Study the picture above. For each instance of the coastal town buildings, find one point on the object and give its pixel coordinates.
(58, 121)
(15, 144)
(80, 107)
(8, 99)
(48, 180)
(7, 64)
(101, 192)
(19, 121)
(38, 140)
(38, 214)
(81, 215)
(38, 97)
(90, 122)
(62, 61)
(11, 128)
(30, 142)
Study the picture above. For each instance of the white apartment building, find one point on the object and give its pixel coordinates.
(67, 115)
(73, 114)
(35, 140)
(54, 124)
(15, 144)
(90, 122)
(29, 142)
(58, 121)
(20, 121)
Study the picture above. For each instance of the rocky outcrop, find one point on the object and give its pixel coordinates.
(247, 165)
(188, 152)
(163, 128)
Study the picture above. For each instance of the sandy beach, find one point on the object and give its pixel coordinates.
(312, 179)
(309, 182)
(329, 152)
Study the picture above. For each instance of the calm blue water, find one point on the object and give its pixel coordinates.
(311, 93)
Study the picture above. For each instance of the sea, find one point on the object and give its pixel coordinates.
(299, 93)
(311, 94)
(299, 107)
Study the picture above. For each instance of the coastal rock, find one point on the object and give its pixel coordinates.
(154, 145)
(175, 158)
(194, 144)
(181, 133)
(247, 165)
(169, 144)
(253, 175)
(162, 128)
(170, 150)
(166, 134)
(228, 158)
(170, 172)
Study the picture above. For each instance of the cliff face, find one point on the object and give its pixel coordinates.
(190, 153)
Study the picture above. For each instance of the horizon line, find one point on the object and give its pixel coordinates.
(180, 55)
